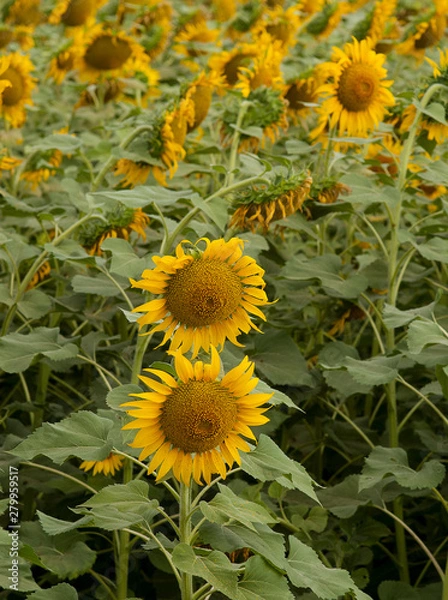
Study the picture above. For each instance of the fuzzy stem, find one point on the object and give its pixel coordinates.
(185, 536)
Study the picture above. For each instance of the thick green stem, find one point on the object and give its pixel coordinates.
(236, 140)
(122, 564)
(185, 536)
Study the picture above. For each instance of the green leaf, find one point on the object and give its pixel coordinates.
(141, 196)
(374, 371)
(262, 582)
(268, 463)
(394, 317)
(226, 507)
(124, 261)
(69, 250)
(315, 520)
(435, 110)
(62, 591)
(397, 590)
(35, 304)
(120, 505)
(216, 210)
(99, 285)
(277, 397)
(279, 359)
(25, 582)
(305, 570)
(214, 567)
(120, 395)
(365, 192)
(327, 270)
(344, 499)
(65, 555)
(53, 526)
(84, 434)
(423, 332)
(57, 141)
(394, 461)
(17, 350)
(435, 248)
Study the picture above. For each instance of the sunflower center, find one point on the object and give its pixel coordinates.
(77, 13)
(233, 66)
(298, 93)
(430, 37)
(358, 86)
(12, 95)
(204, 292)
(6, 36)
(198, 416)
(107, 52)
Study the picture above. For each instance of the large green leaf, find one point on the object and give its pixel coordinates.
(35, 304)
(305, 570)
(214, 567)
(423, 332)
(385, 461)
(53, 526)
(120, 505)
(124, 261)
(99, 285)
(17, 350)
(66, 555)
(394, 317)
(62, 591)
(25, 581)
(226, 507)
(279, 359)
(268, 463)
(374, 371)
(119, 395)
(84, 434)
(262, 582)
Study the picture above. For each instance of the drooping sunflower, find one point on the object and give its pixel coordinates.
(199, 93)
(228, 63)
(434, 130)
(379, 23)
(103, 53)
(41, 274)
(108, 466)
(121, 223)
(8, 163)
(259, 207)
(358, 96)
(299, 94)
(194, 425)
(16, 85)
(206, 297)
(223, 10)
(44, 165)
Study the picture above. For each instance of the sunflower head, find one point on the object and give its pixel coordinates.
(194, 424)
(207, 296)
(328, 190)
(24, 12)
(259, 207)
(16, 85)
(108, 466)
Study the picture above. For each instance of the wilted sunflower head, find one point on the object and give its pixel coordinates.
(328, 190)
(199, 93)
(207, 296)
(194, 424)
(73, 13)
(260, 206)
(16, 85)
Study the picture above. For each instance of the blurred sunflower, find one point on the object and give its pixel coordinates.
(260, 206)
(264, 69)
(120, 224)
(16, 85)
(379, 23)
(228, 63)
(298, 94)
(206, 296)
(61, 64)
(358, 96)
(8, 163)
(323, 23)
(24, 12)
(108, 466)
(20, 34)
(282, 24)
(427, 32)
(41, 274)
(103, 53)
(192, 40)
(153, 26)
(434, 130)
(194, 425)
(35, 174)
(199, 93)
(328, 190)
(74, 13)
(223, 10)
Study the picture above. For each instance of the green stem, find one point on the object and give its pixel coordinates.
(236, 140)
(41, 393)
(185, 536)
(122, 565)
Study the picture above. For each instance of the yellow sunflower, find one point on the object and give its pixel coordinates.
(42, 273)
(194, 426)
(259, 207)
(21, 34)
(103, 53)
(16, 85)
(298, 94)
(61, 64)
(9, 163)
(36, 175)
(434, 129)
(133, 172)
(223, 10)
(265, 68)
(426, 33)
(153, 26)
(358, 96)
(282, 24)
(74, 13)
(24, 12)
(206, 296)
(192, 40)
(228, 63)
(108, 466)
(199, 93)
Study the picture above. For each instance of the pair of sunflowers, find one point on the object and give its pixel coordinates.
(193, 425)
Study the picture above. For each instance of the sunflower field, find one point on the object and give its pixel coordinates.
(223, 299)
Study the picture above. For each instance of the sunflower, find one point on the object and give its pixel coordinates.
(61, 64)
(228, 63)
(108, 466)
(379, 23)
(134, 172)
(24, 12)
(21, 34)
(259, 207)
(223, 10)
(299, 93)
(358, 97)
(264, 69)
(192, 41)
(16, 85)
(74, 13)
(206, 296)
(199, 93)
(282, 24)
(42, 273)
(153, 26)
(52, 158)
(102, 53)
(121, 223)
(194, 425)
(433, 129)
(9, 163)
(328, 191)
(426, 33)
